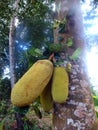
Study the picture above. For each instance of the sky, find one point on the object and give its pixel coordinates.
(94, 22)
(92, 65)
(92, 53)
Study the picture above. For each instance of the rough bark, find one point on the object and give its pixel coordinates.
(77, 113)
(11, 44)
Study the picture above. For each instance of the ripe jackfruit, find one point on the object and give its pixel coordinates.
(60, 85)
(46, 98)
(33, 82)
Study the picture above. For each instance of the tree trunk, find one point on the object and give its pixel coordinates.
(11, 51)
(12, 58)
(77, 113)
(11, 44)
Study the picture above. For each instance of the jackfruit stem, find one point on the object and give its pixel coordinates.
(51, 58)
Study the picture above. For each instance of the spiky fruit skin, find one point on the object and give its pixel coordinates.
(32, 83)
(46, 98)
(60, 85)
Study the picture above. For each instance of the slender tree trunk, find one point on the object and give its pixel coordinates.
(11, 51)
(11, 43)
(77, 113)
(12, 59)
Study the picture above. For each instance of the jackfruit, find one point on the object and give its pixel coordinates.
(46, 98)
(60, 83)
(32, 83)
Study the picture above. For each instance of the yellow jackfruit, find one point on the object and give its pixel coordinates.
(32, 83)
(60, 85)
(46, 98)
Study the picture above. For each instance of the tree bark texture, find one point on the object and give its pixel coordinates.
(11, 44)
(77, 113)
(12, 58)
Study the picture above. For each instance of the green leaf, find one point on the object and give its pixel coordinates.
(1, 125)
(95, 97)
(38, 51)
(55, 47)
(56, 24)
(35, 52)
(96, 108)
(37, 111)
(76, 54)
(69, 42)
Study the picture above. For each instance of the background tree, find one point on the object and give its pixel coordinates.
(11, 42)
